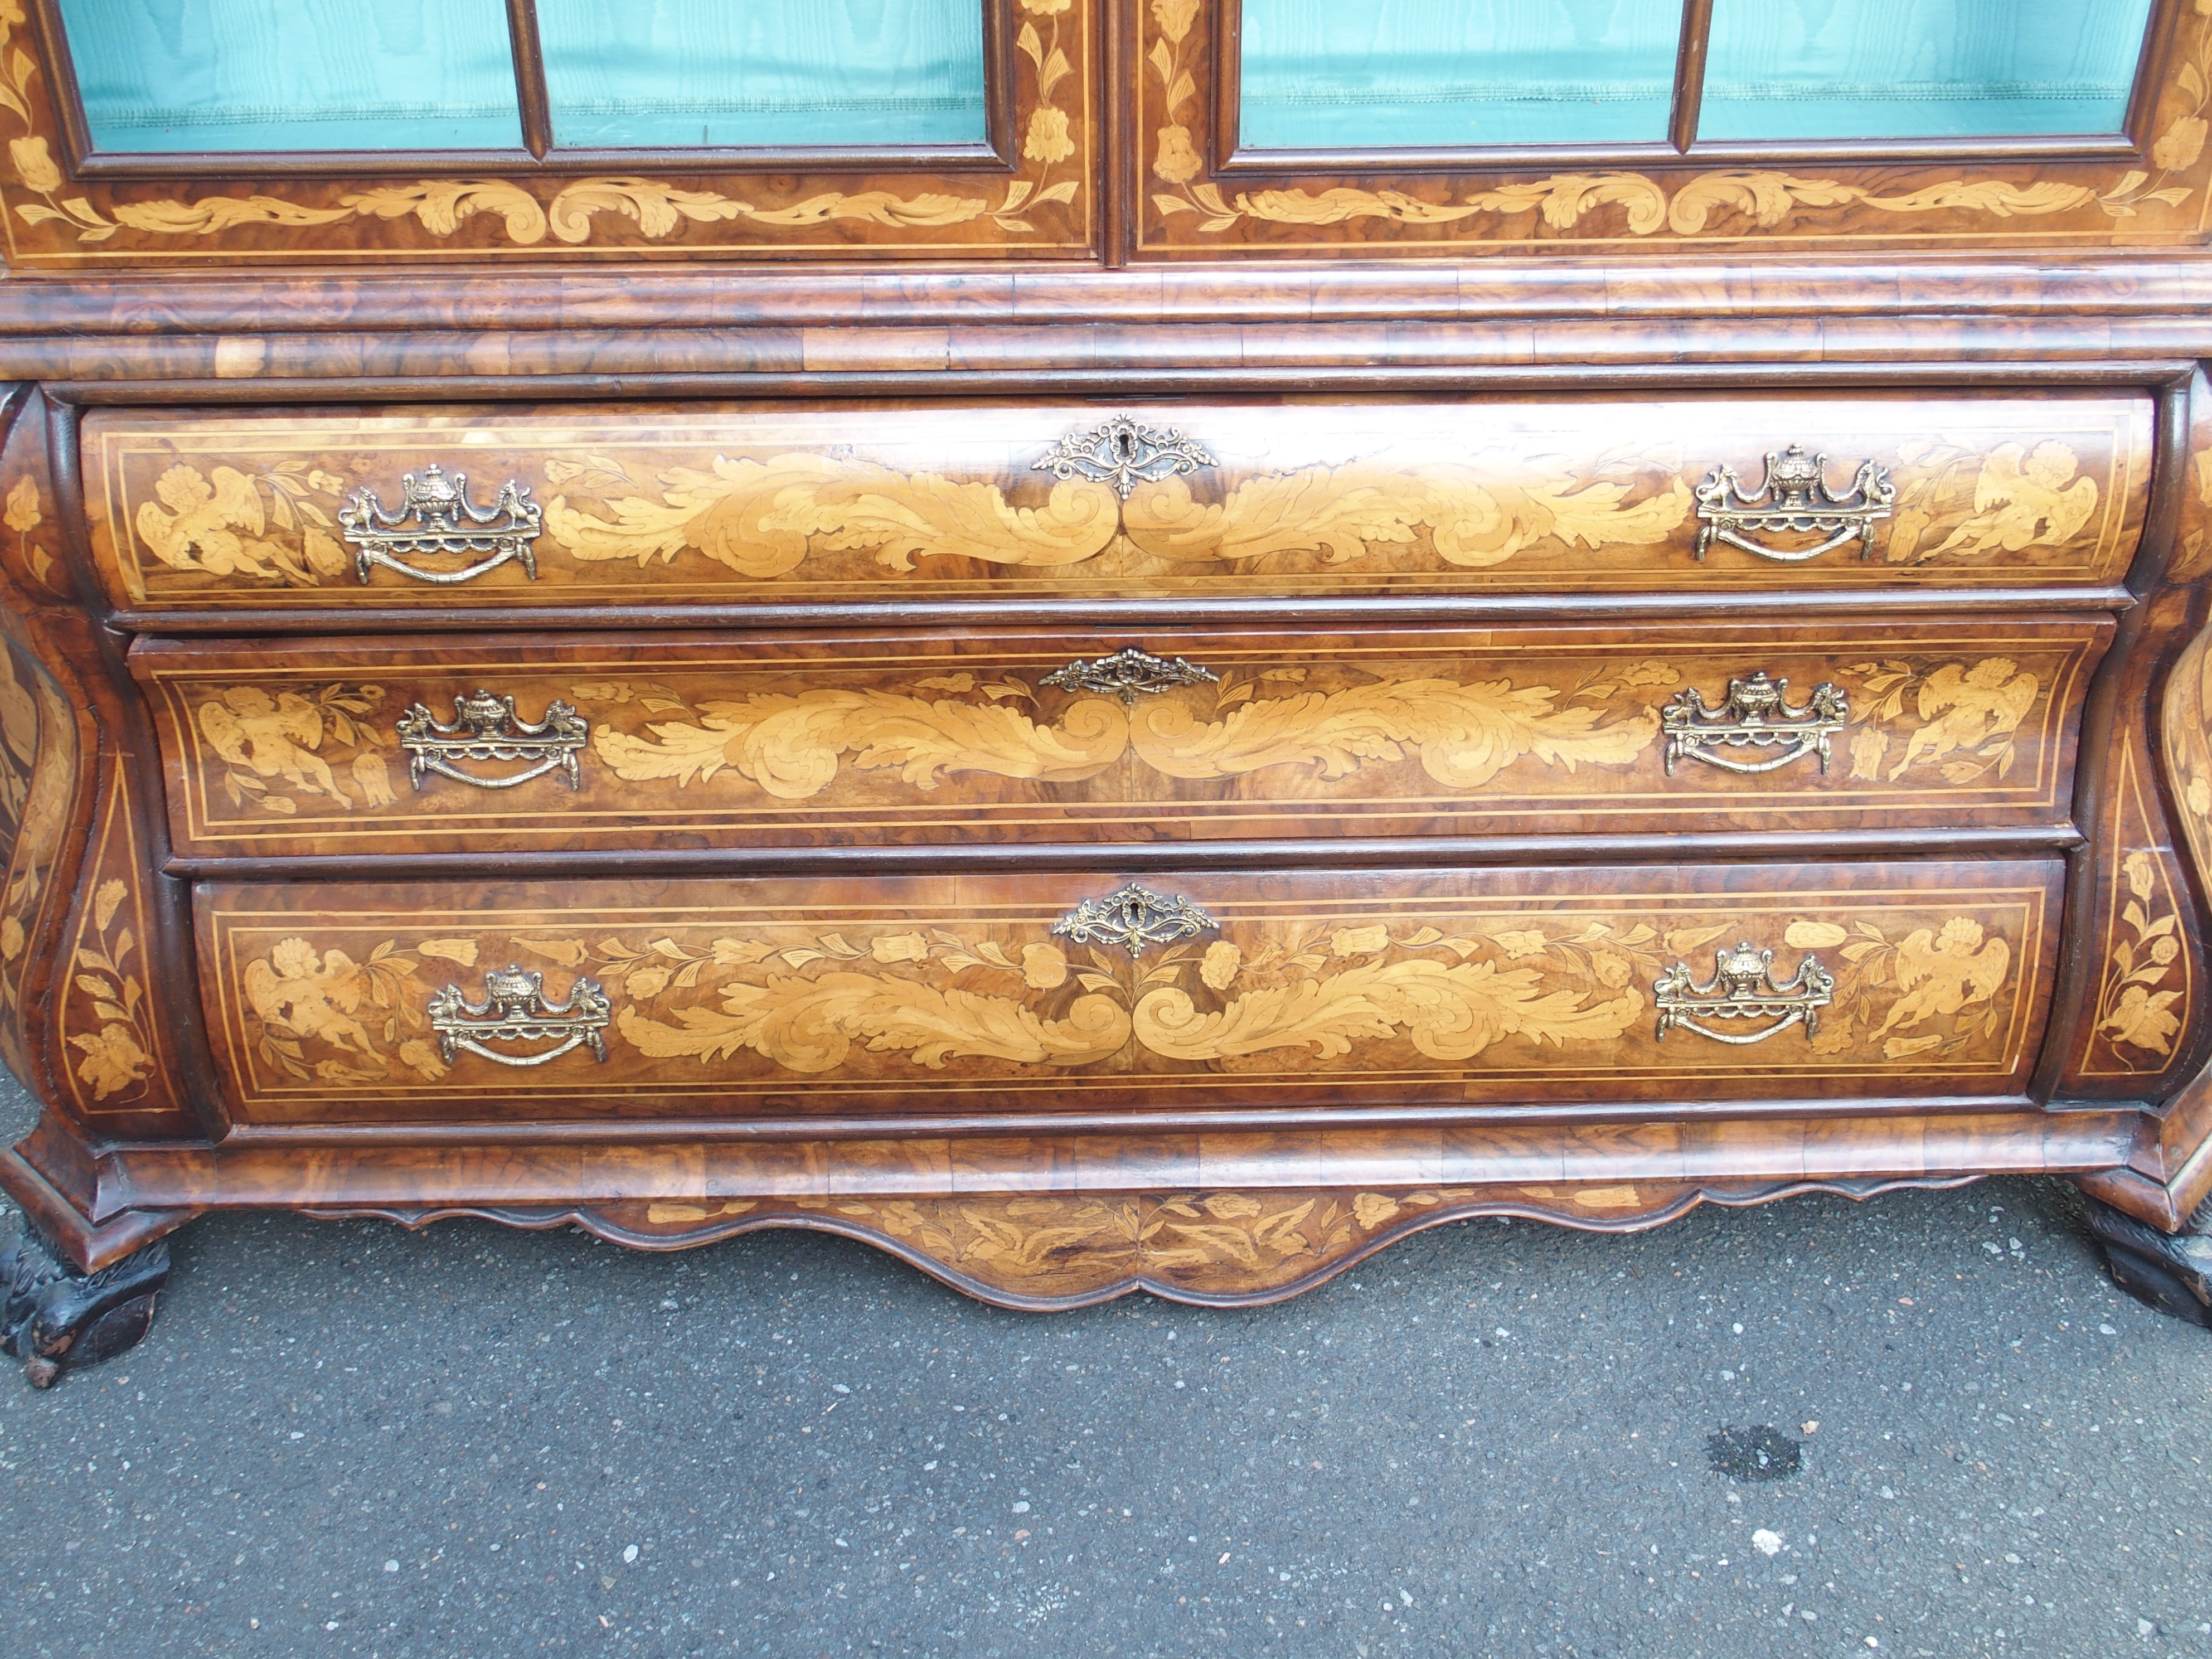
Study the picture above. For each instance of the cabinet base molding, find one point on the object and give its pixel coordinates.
(1054, 1221)
(1048, 1253)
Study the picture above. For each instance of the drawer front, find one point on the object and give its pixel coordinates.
(367, 746)
(856, 998)
(790, 505)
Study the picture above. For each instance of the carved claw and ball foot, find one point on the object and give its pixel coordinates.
(2170, 1272)
(55, 1319)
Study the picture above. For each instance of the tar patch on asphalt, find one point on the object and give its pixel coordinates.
(1759, 1453)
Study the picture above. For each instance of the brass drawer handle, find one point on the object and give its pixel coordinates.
(1794, 496)
(514, 1010)
(1128, 674)
(485, 727)
(1743, 987)
(1135, 919)
(436, 516)
(1125, 453)
(1756, 714)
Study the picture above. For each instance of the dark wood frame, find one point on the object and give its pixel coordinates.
(540, 154)
(1232, 160)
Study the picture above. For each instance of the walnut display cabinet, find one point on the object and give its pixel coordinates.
(1107, 645)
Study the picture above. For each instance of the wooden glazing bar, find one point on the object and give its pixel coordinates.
(1690, 72)
(530, 76)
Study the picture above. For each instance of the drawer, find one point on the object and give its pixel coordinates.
(844, 998)
(370, 746)
(793, 504)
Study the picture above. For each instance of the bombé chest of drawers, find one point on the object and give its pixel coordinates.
(1117, 711)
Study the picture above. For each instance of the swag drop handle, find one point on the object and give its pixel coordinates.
(436, 517)
(1794, 499)
(514, 1010)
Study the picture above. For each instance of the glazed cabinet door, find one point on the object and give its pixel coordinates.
(190, 132)
(1430, 127)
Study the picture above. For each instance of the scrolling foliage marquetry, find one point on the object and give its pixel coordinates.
(1935, 720)
(802, 516)
(1192, 209)
(1064, 1249)
(1053, 148)
(1959, 719)
(1080, 1245)
(890, 1002)
(764, 519)
(790, 745)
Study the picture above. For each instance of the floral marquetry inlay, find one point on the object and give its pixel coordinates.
(924, 1000)
(276, 751)
(791, 744)
(2146, 978)
(112, 1055)
(38, 761)
(763, 509)
(1058, 1249)
(114, 1041)
(1445, 734)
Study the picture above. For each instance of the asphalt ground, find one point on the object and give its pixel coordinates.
(345, 1439)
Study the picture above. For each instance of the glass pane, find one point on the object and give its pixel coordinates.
(1920, 69)
(1336, 74)
(669, 73)
(295, 74)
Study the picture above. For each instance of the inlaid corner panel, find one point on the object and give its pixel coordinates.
(196, 510)
(30, 511)
(106, 1009)
(2158, 1016)
(1203, 194)
(2138, 1035)
(1031, 191)
(39, 760)
(550, 742)
(1050, 995)
(2148, 987)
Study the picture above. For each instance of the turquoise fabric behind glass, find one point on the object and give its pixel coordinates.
(295, 74)
(681, 72)
(1336, 74)
(1919, 69)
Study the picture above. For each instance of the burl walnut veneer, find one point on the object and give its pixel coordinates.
(1102, 710)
